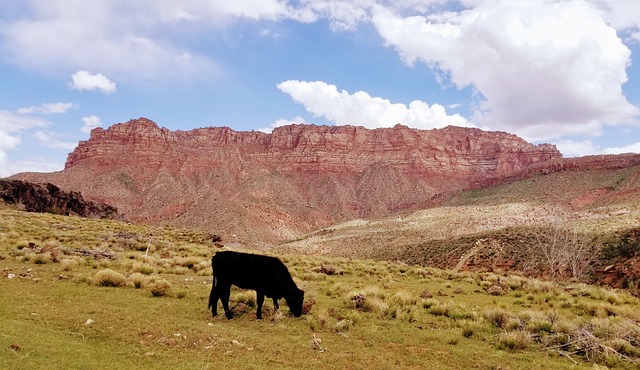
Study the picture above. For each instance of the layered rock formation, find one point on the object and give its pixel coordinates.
(260, 186)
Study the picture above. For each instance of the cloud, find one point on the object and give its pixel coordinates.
(89, 123)
(572, 148)
(131, 41)
(11, 124)
(83, 80)
(53, 140)
(360, 108)
(620, 14)
(34, 165)
(536, 65)
(282, 122)
(633, 148)
(341, 14)
(47, 108)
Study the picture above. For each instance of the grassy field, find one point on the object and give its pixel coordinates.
(78, 293)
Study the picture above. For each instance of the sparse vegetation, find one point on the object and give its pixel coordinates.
(376, 314)
(109, 278)
(160, 288)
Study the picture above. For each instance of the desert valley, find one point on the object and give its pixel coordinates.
(430, 229)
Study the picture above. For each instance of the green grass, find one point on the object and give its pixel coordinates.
(56, 315)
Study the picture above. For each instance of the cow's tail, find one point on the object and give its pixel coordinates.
(213, 285)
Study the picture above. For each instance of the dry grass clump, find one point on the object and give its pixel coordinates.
(142, 268)
(68, 264)
(188, 262)
(248, 297)
(514, 340)
(498, 317)
(203, 267)
(401, 305)
(139, 280)
(160, 288)
(109, 278)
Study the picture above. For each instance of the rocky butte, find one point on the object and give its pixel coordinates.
(256, 186)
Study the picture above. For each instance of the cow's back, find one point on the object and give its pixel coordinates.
(251, 271)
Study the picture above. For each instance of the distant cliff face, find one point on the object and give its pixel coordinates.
(275, 186)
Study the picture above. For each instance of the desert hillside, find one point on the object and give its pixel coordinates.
(255, 187)
(582, 216)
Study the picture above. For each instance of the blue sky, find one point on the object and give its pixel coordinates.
(559, 71)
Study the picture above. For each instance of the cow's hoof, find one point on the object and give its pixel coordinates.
(229, 315)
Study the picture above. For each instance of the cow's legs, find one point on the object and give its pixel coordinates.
(213, 300)
(224, 291)
(260, 301)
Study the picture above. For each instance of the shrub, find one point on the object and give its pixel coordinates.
(374, 304)
(343, 325)
(139, 280)
(68, 264)
(203, 266)
(247, 297)
(469, 328)
(142, 268)
(514, 340)
(538, 326)
(496, 316)
(108, 278)
(188, 262)
(42, 258)
(440, 310)
(160, 288)
(181, 294)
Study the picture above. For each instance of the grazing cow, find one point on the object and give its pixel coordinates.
(268, 276)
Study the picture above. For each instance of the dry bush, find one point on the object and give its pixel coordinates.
(139, 280)
(313, 276)
(143, 268)
(109, 278)
(203, 266)
(68, 264)
(160, 288)
(514, 340)
(343, 325)
(497, 317)
(188, 262)
(247, 297)
(41, 258)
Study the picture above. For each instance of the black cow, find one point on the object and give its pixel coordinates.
(268, 276)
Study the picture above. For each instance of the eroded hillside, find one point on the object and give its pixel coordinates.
(273, 187)
(592, 215)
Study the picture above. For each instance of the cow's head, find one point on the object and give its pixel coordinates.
(294, 301)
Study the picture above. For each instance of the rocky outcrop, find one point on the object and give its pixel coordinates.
(50, 199)
(275, 186)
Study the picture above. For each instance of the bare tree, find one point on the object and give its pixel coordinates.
(565, 252)
(550, 245)
(581, 252)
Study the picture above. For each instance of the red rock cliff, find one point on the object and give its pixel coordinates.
(297, 178)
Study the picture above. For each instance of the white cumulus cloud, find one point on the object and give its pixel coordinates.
(53, 140)
(89, 123)
(632, 148)
(537, 65)
(282, 122)
(47, 108)
(11, 125)
(84, 80)
(360, 108)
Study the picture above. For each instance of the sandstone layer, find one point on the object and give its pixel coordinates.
(254, 186)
